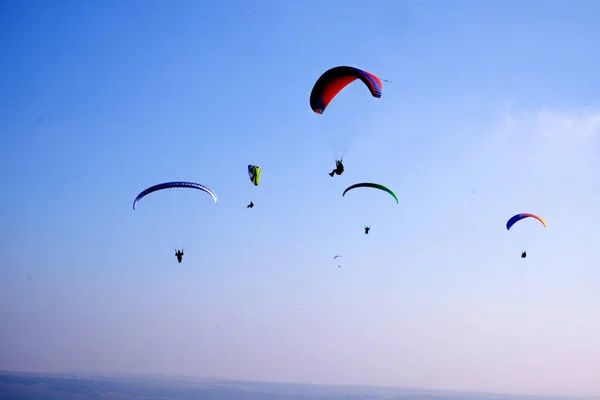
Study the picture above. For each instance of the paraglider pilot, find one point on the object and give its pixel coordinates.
(250, 205)
(523, 254)
(339, 168)
(179, 255)
(367, 229)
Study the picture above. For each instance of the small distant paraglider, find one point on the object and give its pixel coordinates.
(518, 217)
(174, 185)
(337, 256)
(254, 173)
(332, 82)
(179, 255)
(374, 186)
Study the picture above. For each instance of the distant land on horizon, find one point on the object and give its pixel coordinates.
(78, 385)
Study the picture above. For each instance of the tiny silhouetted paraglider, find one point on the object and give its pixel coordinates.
(179, 255)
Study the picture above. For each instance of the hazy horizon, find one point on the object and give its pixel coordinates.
(273, 386)
(489, 109)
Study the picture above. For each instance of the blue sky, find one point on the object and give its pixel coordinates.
(491, 111)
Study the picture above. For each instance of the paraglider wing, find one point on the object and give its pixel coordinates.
(333, 81)
(254, 174)
(371, 185)
(169, 185)
(336, 257)
(513, 220)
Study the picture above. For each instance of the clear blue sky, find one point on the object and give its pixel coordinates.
(491, 112)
